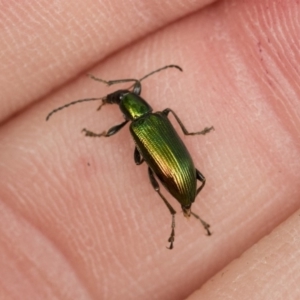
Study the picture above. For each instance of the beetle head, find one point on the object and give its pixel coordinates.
(115, 97)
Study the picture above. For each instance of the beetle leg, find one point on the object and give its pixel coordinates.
(171, 209)
(137, 157)
(108, 133)
(201, 178)
(204, 131)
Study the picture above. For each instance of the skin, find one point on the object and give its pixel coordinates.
(80, 221)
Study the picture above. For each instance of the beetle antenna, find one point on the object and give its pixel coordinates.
(108, 83)
(72, 103)
(160, 69)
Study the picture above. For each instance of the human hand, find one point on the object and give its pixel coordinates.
(80, 221)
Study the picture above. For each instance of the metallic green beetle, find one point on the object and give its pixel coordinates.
(157, 143)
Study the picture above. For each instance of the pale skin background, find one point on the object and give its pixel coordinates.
(78, 219)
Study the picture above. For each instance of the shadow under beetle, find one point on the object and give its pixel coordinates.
(157, 143)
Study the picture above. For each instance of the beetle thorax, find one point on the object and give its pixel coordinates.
(133, 106)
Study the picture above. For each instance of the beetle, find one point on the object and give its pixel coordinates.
(157, 143)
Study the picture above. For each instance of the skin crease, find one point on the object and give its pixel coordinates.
(80, 221)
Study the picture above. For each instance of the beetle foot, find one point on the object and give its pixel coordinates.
(204, 224)
(92, 134)
(206, 227)
(171, 239)
(206, 130)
